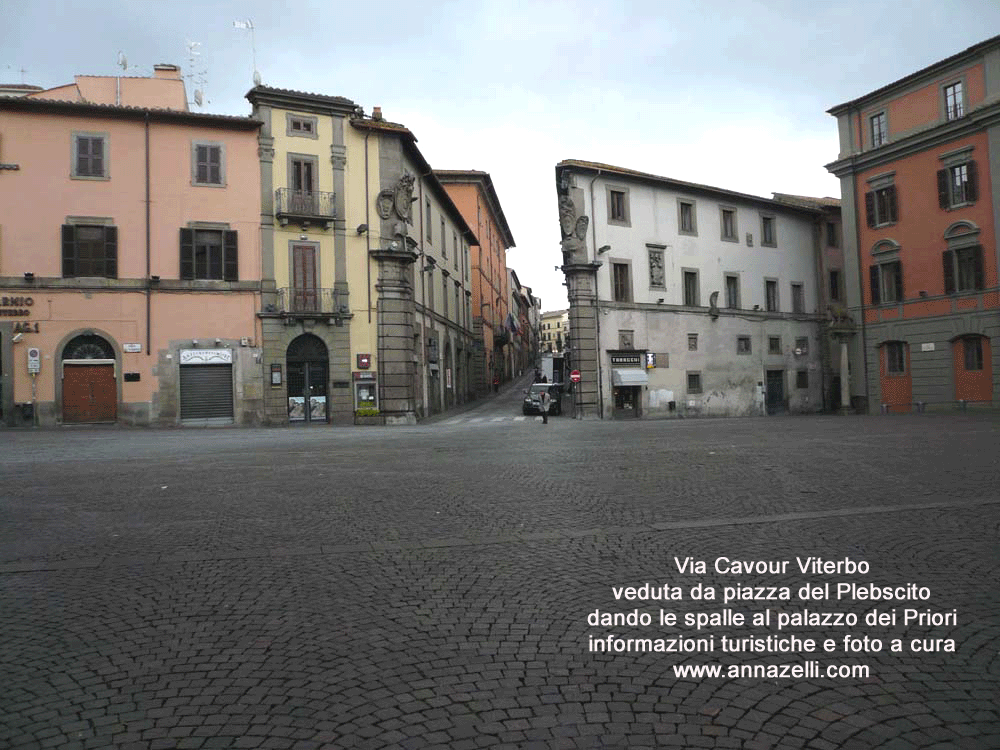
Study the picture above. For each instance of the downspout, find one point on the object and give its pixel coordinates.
(368, 234)
(861, 276)
(597, 301)
(149, 288)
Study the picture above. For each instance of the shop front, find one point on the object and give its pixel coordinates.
(628, 382)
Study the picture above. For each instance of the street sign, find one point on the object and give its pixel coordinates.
(575, 376)
(34, 361)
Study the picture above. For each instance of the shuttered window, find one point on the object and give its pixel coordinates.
(89, 158)
(886, 282)
(209, 254)
(963, 269)
(89, 250)
(958, 185)
(207, 164)
(881, 206)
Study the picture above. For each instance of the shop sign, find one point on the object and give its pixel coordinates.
(206, 356)
(364, 375)
(15, 307)
(631, 359)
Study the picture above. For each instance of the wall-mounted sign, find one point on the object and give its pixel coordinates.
(275, 374)
(34, 360)
(26, 327)
(364, 375)
(206, 356)
(630, 359)
(650, 360)
(131, 377)
(15, 307)
(132, 348)
(927, 347)
(447, 377)
(364, 361)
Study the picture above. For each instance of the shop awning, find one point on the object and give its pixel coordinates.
(629, 377)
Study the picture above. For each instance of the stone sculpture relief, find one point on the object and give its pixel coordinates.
(574, 231)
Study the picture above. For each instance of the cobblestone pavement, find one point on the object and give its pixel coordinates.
(431, 586)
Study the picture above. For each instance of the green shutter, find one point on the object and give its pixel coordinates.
(187, 253)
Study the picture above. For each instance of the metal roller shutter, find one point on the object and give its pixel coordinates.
(207, 393)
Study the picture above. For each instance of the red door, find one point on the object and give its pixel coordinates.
(90, 394)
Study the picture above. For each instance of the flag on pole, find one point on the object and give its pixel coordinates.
(242, 25)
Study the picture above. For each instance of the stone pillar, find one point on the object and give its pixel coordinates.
(396, 319)
(581, 282)
(845, 385)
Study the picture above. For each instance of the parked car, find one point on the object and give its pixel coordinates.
(532, 398)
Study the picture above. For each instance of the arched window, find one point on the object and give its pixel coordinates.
(88, 346)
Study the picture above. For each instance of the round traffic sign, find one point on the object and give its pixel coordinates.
(575, 376)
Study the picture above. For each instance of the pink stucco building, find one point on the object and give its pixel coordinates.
(129, 257)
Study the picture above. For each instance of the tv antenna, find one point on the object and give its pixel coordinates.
(197, 76)
(247, 25)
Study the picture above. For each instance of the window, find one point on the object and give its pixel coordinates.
(302, 174)
(90, 155)
(209, 254)
(620, 280)
(963, 269)
(686, 218)
(427, 209)
(618, 206)
(886, 282)
(692, 342)
(656, 277)
(729, 229)
(743, 345)
(454, 250)
(694, 382)
(973, 346)
(444, 295)
(958, 185)
(207, 166)
(430, 289)
(732, 291)
(89, 250)
(767, 232)
(879, 129)
(691, 288)
(300, 126)
(835, 285)
(880, 206)
(774, 344)
(802, 345)
(771, 295)
(444, 241)
(832, 240)
(798, 298)
(895, 358)
(954, 106)
(802, 379)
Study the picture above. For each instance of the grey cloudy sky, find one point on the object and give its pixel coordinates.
(731, 93)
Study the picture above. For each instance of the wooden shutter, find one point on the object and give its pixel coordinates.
(977, 254)
(201, 163)
(230, 255)
(96, 156)
(899, 280)
(187, 253)
(949, 271)
(111, 252)
(873, 275)
(870, 209)
(942, 182)
(972, 190)
(68, 250)
(891, 201)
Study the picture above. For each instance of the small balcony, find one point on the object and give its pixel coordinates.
(317, 302)
(303, 208)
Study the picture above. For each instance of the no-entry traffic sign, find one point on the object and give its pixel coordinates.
(575, 376)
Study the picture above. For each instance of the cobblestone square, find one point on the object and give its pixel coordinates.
(431, 586)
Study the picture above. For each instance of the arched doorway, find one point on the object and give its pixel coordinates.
(89, 386)
(307, 363)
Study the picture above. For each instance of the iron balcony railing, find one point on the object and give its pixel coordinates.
(299, 204)
(309, 301)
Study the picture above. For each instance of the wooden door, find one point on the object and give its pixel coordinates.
(90, 394)
(305, 295)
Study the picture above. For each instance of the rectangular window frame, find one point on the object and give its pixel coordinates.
(768, 220)
(195, 145)
(832, 235)
(227, 262)
(693, 382)
(105, 172)
(733, 235)
(964, 269)
(430, 224)
(972, 353)
(71, 246)
(798, 297)
(657, 271)
(311, 159)
(732, 290)
(802, 345)
(834, 277)
(954, 107)
(744, 345)
(693, 299)
(772, 302)
(444, 239)
(886, 282)
(292, 119)
(878, 128)
(692, 342)
(693, 204)
(619, 212)
(774, 345)
(802, 379)
(621, 285)
(895, 359)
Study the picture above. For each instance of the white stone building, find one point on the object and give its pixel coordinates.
(689, 300)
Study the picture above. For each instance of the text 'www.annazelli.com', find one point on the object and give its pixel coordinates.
(797, 671)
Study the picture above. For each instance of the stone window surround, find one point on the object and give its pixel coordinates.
(222, 163)
(725, 285)
(802, 294)
(73, 151)
(774, 345)
(777, 293)
(293, 157)
(291, 116)
(903, 350)
(430, 224)
(744, 345)
(802, 379)
(627, 221)
(869, 130)
(291, 262)
(612, 262)
(942, 96)
(693, 232)
(698, 387)
(697, 287)
(774, 230)
(735, 237)
(692, 342)
(879, 182)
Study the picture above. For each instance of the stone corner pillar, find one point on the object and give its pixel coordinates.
(581, 283)
(395, 320)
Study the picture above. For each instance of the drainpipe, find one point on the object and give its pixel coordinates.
(368, 234)
(861, 276)
(597, 309)
(149, 290)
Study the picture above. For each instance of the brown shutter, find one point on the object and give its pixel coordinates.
(942, 182)
(68, 250)
(873, 276)
(187, 253)
(870, 209)
(201, 163)
(97, 156)
(111, 252)
(972, 191)
(949, 271)
(891, 200)
(899, 281)
(977, 254)
(230, 255)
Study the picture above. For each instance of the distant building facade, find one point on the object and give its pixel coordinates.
(555, 331)
(918, 165)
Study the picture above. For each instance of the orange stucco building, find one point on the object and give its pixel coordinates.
(918, 162)
(473, 193)
(129, 257)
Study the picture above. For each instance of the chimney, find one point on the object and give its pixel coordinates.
(377, 113)
(168, 71)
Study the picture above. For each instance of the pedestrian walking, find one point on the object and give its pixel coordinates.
(544, 399)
